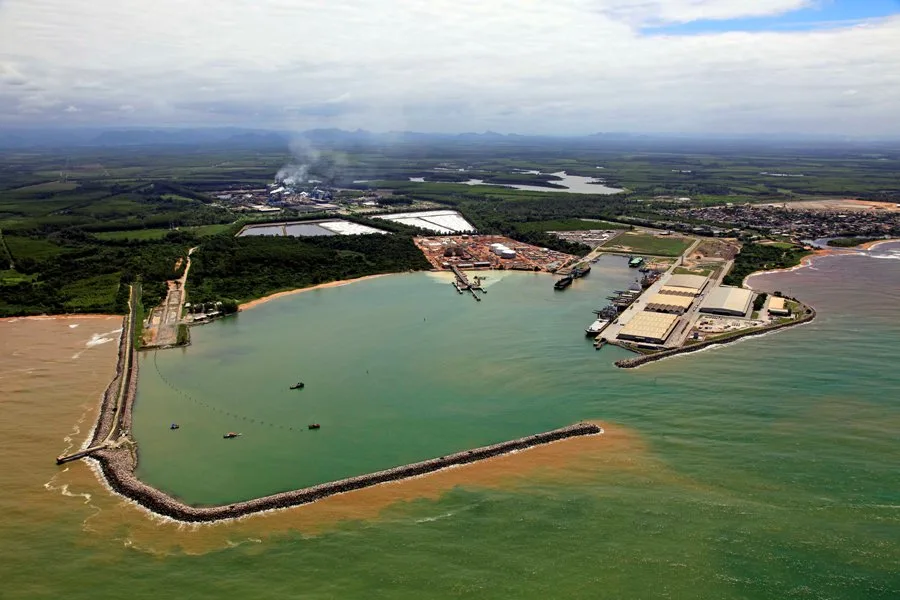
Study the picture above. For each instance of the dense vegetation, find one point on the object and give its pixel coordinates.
(761, 257)
(82, 276)
(568, 225)
(760, 301)
(850, 242)
(245, 268)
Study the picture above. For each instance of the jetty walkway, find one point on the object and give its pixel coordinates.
(113, 424)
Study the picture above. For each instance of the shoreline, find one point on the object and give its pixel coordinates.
(874, 244)
(331, 284)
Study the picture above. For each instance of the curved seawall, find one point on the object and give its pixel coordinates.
(631, 363)
(118, 466)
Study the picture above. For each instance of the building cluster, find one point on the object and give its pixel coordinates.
(795, 223)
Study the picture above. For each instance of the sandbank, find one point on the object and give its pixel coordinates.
(874, 244)
(61, 317)
(330, 284)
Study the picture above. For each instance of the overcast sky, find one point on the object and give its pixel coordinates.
(525, 66)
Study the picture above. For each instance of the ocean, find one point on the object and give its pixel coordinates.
(764, 469)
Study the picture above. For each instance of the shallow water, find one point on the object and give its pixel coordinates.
(766, 469)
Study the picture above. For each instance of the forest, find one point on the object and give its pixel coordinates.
(763, 257)
(242, 269)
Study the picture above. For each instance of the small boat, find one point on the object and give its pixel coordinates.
(596, 327)
(230, 435)
(298, 386)
(174, 426)
(314, 426)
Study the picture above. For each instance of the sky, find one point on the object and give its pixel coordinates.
(558, 67)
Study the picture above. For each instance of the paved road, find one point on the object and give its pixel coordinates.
(680, 335)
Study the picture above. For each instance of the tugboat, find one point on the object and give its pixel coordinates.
(174, 426)
(230, 435)
(314, 426)
(298, 386)
(563, 283)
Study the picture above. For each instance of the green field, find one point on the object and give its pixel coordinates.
(36, 249)
(568, 225)
(160, 233)
(85, 294)
(645, 243)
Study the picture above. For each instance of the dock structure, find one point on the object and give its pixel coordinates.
(462, 283)
(461, 280)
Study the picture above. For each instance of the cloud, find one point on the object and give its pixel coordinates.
(570, 66)
(663, 12)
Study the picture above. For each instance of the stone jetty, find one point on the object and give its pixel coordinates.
(118, 466)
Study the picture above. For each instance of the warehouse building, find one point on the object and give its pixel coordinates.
(670, 303)
(778, 308)
(650, 327)
(685, 285)
(731, 301)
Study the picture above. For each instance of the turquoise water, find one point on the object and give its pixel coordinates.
(397, 369)
(766, 469)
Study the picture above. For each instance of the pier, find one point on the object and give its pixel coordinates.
(462, 284)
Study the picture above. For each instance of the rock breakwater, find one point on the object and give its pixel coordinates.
(118, 466)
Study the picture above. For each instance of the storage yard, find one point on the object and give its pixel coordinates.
(490, 252)
(309, 229)
(438, 221)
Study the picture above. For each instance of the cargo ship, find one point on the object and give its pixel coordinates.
(563, 283)
(581, 270)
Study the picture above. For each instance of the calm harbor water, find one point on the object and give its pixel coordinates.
(766, 469)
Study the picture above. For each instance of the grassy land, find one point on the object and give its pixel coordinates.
(568, 225)
(160, 233)
(30, 248)
(85, 294)
(10, 277)
(184, 335)
(686, 271)
(645, 243)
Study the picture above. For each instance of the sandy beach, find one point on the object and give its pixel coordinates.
(876, 243)
(61, 317)
(331, 284)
